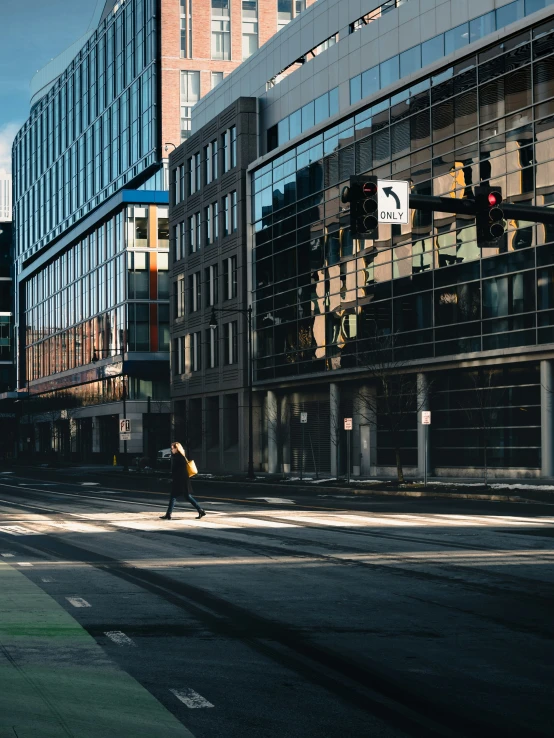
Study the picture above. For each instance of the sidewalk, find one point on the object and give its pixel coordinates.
(56, 681)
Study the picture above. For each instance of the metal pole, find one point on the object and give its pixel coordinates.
(126, 463)
(348, 456)
(302, 455)
(425, 460)
(250, 397)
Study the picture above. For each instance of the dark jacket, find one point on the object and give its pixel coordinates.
(179, 476)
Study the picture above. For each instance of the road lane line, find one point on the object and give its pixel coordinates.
(47, 579)
(120, 638)
(24, 563)
(7, 556)
(191, 698)
(78, 602)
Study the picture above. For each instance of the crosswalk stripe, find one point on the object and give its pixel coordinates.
(78, 602)
(191, 699)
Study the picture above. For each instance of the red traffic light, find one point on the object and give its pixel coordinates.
(494, 198)
(369, 189)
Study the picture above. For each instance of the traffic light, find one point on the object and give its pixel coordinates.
(489, 215)
(362, 196)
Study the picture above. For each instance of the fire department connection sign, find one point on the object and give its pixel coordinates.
(393, 201)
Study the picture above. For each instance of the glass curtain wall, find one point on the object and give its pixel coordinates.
(93, 132)
(322, 296)
(99, 295)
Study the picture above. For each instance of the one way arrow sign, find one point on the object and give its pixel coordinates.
(392, 201)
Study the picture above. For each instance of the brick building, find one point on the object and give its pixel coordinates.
(204, 40)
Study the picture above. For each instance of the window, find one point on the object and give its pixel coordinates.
(214, 157)
(215, 221)
(230, 277)
(190, 94)
(233, 151)
(195, 352)
(139, 326)
(174, 185)
(226, 213)
(220, 7)
(217, 77)
(197, 164)
(182, 191)
(208, 236)
(193, 227)
(221, 30)
(249, 39)
(186, 29)
(191, 179)
(163, 327)
(249, 8)
(284, 11)
(177, 358)
(212, 340)
(212, 285)
(231, 342)
(249, 27)
(138, 275)
(194, 292)
(225, 151)
(234, 211)
(163, 275)
(207, 165)
(180, 297)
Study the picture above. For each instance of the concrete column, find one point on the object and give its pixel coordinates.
(221, 433)
(547, 427)
(272, 415)
(335, 422)
(285, 434)
(95, 435)
(423, 403)
(366, 430)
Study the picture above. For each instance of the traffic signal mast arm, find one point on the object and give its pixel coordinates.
(466, 206)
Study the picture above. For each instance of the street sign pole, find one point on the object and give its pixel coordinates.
(303, 421)
(426, 421)
(347, 428)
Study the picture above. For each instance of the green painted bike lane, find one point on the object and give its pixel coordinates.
(56, 681)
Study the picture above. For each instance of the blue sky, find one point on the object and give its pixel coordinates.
(32, 33)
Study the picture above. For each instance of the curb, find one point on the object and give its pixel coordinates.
(386, 493)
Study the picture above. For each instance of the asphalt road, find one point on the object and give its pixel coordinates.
(303, 617)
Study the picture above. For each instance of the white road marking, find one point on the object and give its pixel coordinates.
(191, 698)
(24, 563)
(120, 638)
(277, 500)
(77, 602)
(90, 484)
(7, 556)
(47, 579)
(17, 530)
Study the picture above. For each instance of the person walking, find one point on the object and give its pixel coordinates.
(180, 482)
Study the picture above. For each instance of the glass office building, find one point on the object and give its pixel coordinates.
(91, 248)
(471, 323)
(321, 296)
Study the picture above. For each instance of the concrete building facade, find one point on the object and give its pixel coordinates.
(446, 96)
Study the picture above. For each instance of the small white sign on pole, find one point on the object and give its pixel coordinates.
(124, 436)
(393, 201)
(303, 417)
(348, 424)
(425, 417)
(125, 425)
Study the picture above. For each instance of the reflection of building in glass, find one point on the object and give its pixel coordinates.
(472, 322)
(5, 198)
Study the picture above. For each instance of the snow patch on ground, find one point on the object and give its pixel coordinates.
(496, 485)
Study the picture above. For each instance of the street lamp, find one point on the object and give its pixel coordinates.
(169, 144)
(213, 324)
(94, 359)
